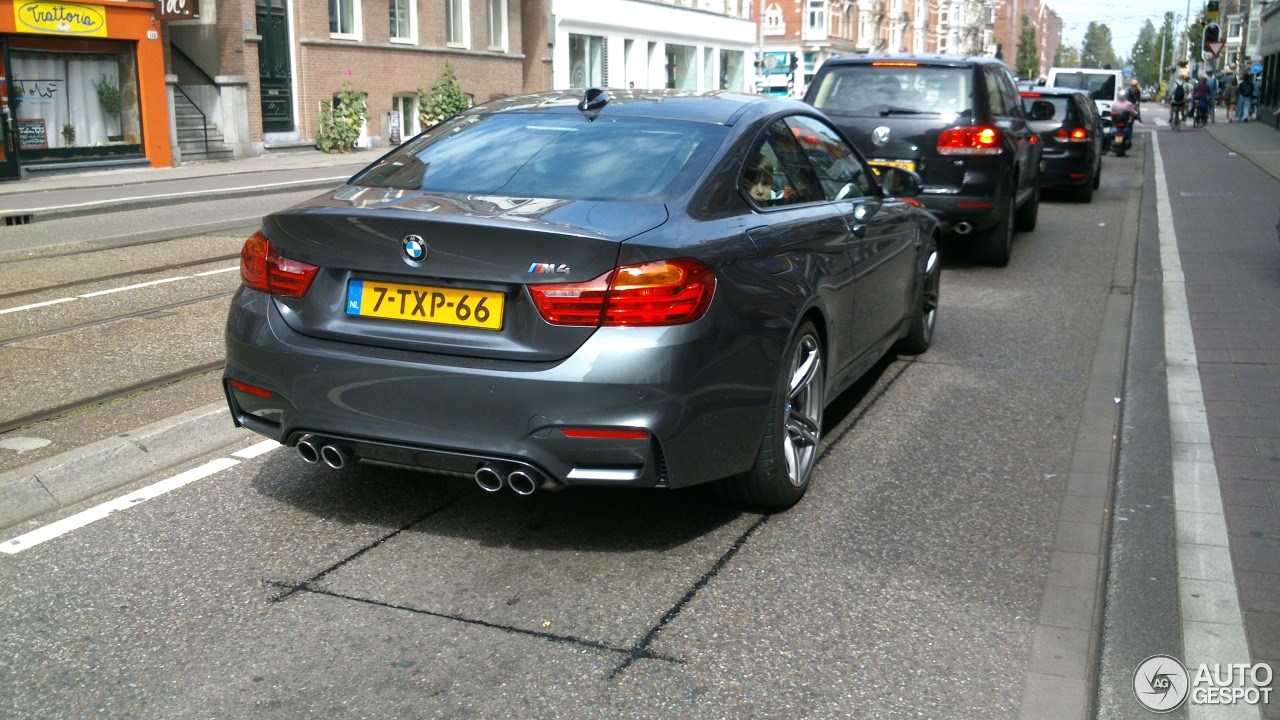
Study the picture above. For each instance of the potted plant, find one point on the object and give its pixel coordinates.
(111, 100)
(69, 135)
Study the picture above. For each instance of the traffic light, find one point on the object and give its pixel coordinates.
(1211, 9)
(1211, 34)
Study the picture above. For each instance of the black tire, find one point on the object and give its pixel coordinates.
(1025, 219)
(995, 245)
(789, 449)
(1097, 177)
(925, 313)
(1119, 150)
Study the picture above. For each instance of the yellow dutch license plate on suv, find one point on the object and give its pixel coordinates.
(422, 303)
(903, 164)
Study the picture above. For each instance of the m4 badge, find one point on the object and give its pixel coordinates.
(546, 268)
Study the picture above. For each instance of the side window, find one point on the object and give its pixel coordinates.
(1009, 91)
(778, 172)
(994, 98)
(840, 174)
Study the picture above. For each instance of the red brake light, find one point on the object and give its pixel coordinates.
(982, 140)
(666, 292)
(1030, 94)
(264, 269)
(1076, 135)
(885, 63)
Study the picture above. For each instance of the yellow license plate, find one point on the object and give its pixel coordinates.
(903, 164)
(422, 303)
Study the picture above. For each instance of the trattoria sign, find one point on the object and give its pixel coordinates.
(60, 18)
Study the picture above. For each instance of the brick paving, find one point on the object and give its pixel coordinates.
(1231, 260)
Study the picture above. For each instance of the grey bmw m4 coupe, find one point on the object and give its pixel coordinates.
(647, 289)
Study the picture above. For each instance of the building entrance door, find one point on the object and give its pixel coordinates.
(274, 69)
(8, 119)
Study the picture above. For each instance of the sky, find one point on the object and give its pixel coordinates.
(1124, 17)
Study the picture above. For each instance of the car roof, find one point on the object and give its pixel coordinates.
(923, 59)
(714, 106)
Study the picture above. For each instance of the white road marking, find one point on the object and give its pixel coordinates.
(93, 514)
(1212, 625)
(189, 193)
(100, 293)
(135, 287)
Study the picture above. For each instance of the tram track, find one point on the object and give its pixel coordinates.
(103, 398)
(115, 318)
(123, 274)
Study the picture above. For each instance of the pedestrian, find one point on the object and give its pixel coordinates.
(1244, 103)
(1229, 98)
(1212, 81)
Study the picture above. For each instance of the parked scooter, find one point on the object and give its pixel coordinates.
(1121, 131)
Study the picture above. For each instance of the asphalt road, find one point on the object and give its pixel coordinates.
(908, 583)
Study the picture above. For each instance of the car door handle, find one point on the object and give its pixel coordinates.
(859, 230)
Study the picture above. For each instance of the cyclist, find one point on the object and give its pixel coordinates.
(1179, 96)
(1201, 96)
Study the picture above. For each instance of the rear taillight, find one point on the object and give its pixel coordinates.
(264, 269)
(666, 292)
(982, 140)
(1077, 135)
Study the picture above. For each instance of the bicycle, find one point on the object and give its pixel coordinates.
(1176, 118)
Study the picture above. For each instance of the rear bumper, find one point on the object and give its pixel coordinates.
(704, 416)
(1068, 169)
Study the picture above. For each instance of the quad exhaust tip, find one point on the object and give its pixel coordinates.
(313, 450)
(964, 228)
(490, 478)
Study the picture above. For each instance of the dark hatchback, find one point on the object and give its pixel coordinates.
(649, 290)
(958, 123)
(1071, 137)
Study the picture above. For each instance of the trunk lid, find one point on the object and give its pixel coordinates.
(465, 296)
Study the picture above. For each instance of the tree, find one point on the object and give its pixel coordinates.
(1028, 63)
(445, 100)
(1067, 56)
(1097, 51)
(1145, 56)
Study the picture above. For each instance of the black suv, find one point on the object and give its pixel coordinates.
(958, 123)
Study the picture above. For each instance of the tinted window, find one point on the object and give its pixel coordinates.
(996, 98)
(1099, 86)
(778, 172)
(1063, 107)
(557, 156)
(883, 90)
(839, 171)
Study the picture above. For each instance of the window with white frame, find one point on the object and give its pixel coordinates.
(498, 25)
(344, 18)
(455, 22)
(406, 105)
(816, 18)
(773, 23)
(731, 64)
(403, 23)
(586, 61)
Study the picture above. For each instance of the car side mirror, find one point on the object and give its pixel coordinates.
(1042, 110)
(897, 182)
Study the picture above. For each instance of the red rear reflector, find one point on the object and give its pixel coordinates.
(885, 63)
(1077, 176)
(981, 140)
(264, 269)
(976, 205)
(665, 292)
(603, 434)
(251, 389)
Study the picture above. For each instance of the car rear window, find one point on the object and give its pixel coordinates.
(555, 156)
(873, 90)
(1063, 108)
(1099, 86)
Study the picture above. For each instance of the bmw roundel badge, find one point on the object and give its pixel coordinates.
(880, 136)
(415, 248)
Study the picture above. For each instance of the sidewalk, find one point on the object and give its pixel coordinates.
(1226, 218)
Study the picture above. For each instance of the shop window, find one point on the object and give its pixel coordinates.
(586, 61)
(403, 22)
(731, 71)
(681, 72)
(76, 100)
(498, 25)
(344, 18)
(455, 22)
